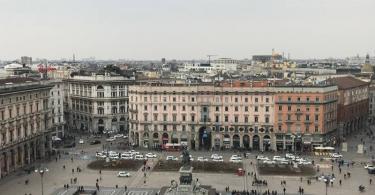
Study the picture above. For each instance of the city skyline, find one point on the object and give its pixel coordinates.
(185, 30)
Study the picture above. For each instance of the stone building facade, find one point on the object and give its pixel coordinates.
(353, 104)
(201, 116)
(305, 116)
(97, 103)
(25, 120)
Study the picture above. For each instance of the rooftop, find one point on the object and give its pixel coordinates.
(347, 82)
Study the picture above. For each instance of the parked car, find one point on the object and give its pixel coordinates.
(118, 136)
(269, 162)
(235, 159)
(335, 155)
(123, 174)
(202, 159)
(368, 166)
(171, 158)
(100, 155)
(111, 139)
(139, 157)
(151, 155)
(218, 159)
(94, 142)
(262, 158)
(81, 141)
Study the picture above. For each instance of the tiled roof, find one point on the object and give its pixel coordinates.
(347, 82)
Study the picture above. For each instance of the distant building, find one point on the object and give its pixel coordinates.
(26, 60)
(267, 58)
(163, 61)
(367, 67)
(225, 64)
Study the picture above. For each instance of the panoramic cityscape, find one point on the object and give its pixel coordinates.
(187, 97)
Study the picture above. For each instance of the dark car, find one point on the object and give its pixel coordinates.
(95, 142)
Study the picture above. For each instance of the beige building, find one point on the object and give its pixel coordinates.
(97, 103)
(201, 116)
(25, 133)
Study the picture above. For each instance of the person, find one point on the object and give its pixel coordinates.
(126, 188)
(284, 190)
(370, 181)
(340, 182)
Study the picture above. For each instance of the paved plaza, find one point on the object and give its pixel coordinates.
(137, 184)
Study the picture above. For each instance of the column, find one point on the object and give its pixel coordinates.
(28, 157)
(7, 159)
(251, 141)
(261, 143)
(22, 151)
(241, 140)
(1, 161)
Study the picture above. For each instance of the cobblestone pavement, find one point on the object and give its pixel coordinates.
(55, 179)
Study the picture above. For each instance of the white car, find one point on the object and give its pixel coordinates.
(123, 174)
(325, 178)
(368, 166)
(151, 155)
(288, 155)
(202, 159)
(335, 155)
(139, 157)
(118, 136)
(111, 139)
(134, 152)
(81, 141)
(235, 159)
(100, 155)
(171, 158)
(269, 162)
(218, 159)
(276, 158)
(263, 158)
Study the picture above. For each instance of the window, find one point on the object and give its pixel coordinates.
(289, 108)
(183, 117)
(246, 108)
(246, 99)
(192, 99)
(279, 127)
(235, 99)
(307, 99)
(267, 108)
(174, 117)
(289, 99)
(145, 108)
(267, 100)
(192, 118)
(217, 118)
(307, 117)
(155, 108)
(256, 99)
(298, 99)
(236, 108)
(174, 99)
(316, 128)
(280, 117)
(145, 99)
(236, 119)
(256, 119)
(280, 108)
(165, 108)
(298, 117)
(246, 119)
(316, 117)
(145, 116)
(183, 108)
(267, 119)
(192, 108)
(256, 109)
(217, 109)
(316, 109)
(317, 99)
(174, 108)
(165, 117)
(307, 129)
(226, 118)
(289, 117)
(226, 108)
(155, 117)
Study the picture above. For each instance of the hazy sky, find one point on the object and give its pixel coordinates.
(185, 29)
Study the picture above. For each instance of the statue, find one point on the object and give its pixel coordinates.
(185, 157)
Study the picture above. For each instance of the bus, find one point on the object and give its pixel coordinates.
(170, 147)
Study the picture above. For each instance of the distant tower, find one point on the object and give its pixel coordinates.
(367, 61)
(163, 61)
(367, 67)
(74, 58)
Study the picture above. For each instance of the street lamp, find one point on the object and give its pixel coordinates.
(41, 172)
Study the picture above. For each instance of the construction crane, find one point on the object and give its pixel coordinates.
(209, 57)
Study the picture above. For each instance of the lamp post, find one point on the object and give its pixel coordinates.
(41, 172)
(326, 181)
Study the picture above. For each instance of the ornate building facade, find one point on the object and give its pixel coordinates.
(97, 103)
(25, 120)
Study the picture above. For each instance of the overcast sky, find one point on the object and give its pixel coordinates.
(185, 29)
